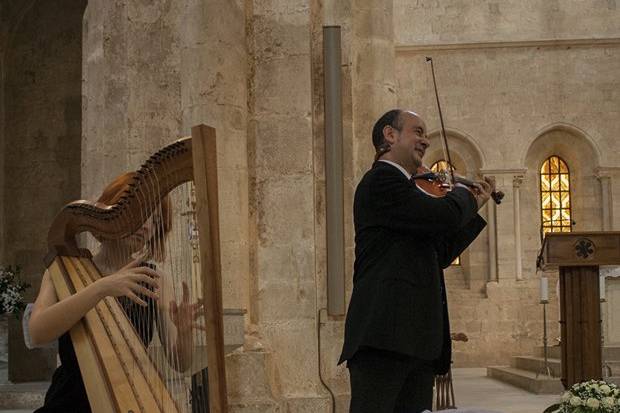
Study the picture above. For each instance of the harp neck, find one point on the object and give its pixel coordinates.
(160, 174)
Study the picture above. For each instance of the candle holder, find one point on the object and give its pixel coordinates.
(606, 368)
(545, 369)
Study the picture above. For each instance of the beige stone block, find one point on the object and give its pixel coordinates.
(286, 301)
(274, 96)
(235, 274)
(274, 38)
(288, 262)
(252, 376)
(233, 204)
(284, 146)
(255, 407)
(331, 339)
(285, 210)
(294, 344)
(309, 404)
(223, 84)
(372, 20)
(295, 12)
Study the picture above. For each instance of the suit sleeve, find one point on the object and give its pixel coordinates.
(401, 207)
(450, 246)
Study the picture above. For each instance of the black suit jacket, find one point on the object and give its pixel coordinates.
(403, 240)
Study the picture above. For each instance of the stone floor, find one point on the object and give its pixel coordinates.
(473, 390)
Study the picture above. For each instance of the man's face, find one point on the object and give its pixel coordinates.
(409, 143)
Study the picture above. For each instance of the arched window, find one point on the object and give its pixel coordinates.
(555, 196)
(442, 165)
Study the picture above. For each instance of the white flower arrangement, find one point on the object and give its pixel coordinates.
(594, 396)
(11, 289)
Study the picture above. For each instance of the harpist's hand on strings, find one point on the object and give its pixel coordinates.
(127, 282)
(185, 315)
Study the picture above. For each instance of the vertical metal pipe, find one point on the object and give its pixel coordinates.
(334, 186)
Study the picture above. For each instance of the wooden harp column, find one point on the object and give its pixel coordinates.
(205, 180)
(578, 256)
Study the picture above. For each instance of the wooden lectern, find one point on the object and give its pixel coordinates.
(578, 256)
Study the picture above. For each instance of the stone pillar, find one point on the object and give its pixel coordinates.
(516, 183)
(373, 73)
(492, 229)
(282, 208)
(604, 177)
(213, 70)
(505, 222)
(131, 87)
(42, 122)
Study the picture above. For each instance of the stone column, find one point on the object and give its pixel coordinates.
(373, 73)
(282, 185)
(131, 87)
(42, 127)
(492, 229)
(604, 177)
(213, 85)
(504, 220)
(516, 183)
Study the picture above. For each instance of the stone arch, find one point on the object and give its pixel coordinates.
(582, 156)
(569, 129)
(41, 141)
(467, 155)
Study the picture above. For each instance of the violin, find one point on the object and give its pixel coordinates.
(438, 184)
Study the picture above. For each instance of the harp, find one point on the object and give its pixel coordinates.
(119, 372)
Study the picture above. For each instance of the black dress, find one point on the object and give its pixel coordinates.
(67, 393)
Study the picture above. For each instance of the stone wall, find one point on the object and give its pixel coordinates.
(282, 207)
(42, 129)
(463, 21)
(131, 87)
(522, 81)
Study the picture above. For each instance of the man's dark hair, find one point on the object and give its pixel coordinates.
(390, 118)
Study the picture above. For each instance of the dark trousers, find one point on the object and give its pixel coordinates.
(388, 382)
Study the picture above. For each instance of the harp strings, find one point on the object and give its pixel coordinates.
(179, 283)
(168, 359)
(168, 240)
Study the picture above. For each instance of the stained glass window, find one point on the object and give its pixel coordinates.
(442, 165)
(555, 196)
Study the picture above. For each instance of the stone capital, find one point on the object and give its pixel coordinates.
(602, 172)
(517, 180)
(512, 171)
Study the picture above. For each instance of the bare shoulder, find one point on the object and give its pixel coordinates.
(47, 293)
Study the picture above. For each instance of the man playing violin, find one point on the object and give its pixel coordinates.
(397, 335)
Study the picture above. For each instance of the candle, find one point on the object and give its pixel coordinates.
(544, 289)
(602, 287)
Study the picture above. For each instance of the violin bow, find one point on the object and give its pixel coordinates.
(444, 139)
(496, 195)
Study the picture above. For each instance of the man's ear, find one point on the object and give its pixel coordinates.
(388, 134)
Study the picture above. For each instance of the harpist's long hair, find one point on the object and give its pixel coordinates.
(162, 221)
